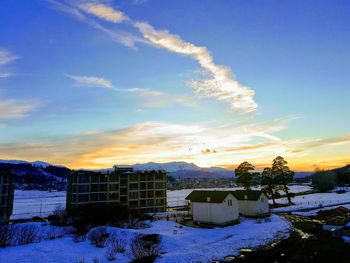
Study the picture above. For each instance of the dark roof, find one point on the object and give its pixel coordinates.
(202, 195)
(251, 195)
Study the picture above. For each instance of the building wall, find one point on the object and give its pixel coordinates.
(214, 213)
(145, 191)
(254, 208)
(6, 196)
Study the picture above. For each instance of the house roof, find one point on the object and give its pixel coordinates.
(252, 195)
(201, 196)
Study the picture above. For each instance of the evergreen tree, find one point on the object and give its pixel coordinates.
(246, 178)
(268, 183)
(282, 174)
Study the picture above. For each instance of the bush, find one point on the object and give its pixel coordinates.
(145, 248)
(115, 246)
(98, 236)
(324, 180)
(5, 235)
(81, 260)
(79, 238)
(25, 234)
(58, 216)
(116, 243)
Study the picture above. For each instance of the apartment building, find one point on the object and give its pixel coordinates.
(141, 190)
(6, 195)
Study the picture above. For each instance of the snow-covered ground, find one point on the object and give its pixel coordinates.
(313, 201)
(36, 203)
(177, 197)
(41, 203)
(186, 244)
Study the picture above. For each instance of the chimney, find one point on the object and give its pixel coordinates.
(208, 199)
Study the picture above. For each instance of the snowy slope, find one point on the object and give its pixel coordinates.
(35, 163)
(186, 244)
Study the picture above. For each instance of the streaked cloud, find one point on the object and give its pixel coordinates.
(6, 57)
(15, 109)
(220, 85)
(89, 81)
(104, 12)
(219, 82)
(79, 11)
(149, 141)
(5, 75)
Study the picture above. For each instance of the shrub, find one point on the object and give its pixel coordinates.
(81, 260)
(115, 246)
(145, 248)
(26, 234)
(111, 254)
(79, 238)
(58, 216)
(5, 235)
(116, 243)
(98, 236)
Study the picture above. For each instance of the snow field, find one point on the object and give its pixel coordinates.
(186, 244)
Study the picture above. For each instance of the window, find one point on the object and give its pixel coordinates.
(113, 187)
(103, 187)
(94, 188)
(114, 178)
(159, 185)
(83, 198)
(95, 178)
(103, 178)
(94, 197)
(133, 195)
(83, 178)
(102, 197)
(262, 199)
(229, 202)
(83, 188)
(113, 196)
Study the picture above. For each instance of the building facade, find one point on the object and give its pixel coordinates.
(213, 207)
(140, 190)
(252, 203)
(6, 195)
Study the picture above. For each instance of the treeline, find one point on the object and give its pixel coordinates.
(28, 176)
(271, 179)
(326, 180)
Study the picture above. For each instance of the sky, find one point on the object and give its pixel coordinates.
(90, 84)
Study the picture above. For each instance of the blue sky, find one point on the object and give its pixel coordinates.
(89, 72)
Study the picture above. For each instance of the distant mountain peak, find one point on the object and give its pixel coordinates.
(35, 163)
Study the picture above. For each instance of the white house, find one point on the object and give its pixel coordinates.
(252, 203)
(213, 207)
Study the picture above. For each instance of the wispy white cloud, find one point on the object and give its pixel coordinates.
(15, 109)
(161, 141)
(7, 57)
(5, 74)
(80, 10)
(104, 12)
(219, 84)
(89, 81)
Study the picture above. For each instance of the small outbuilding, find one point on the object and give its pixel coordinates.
(213, 207)
(252, 203)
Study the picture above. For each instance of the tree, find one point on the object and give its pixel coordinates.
(324, 180)
(246, 178)
(268, 183)
(283, 175)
